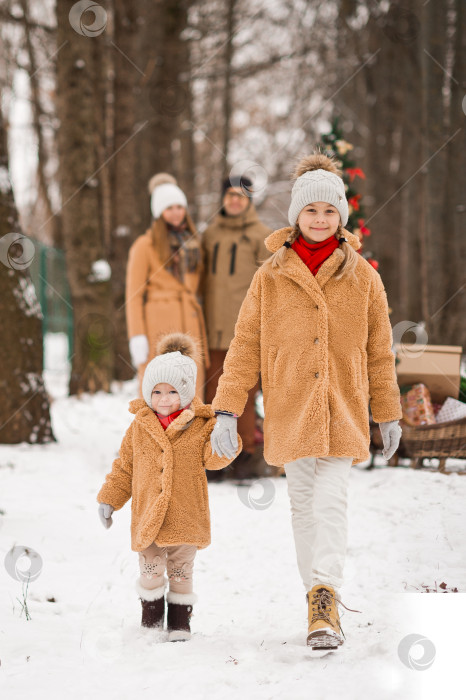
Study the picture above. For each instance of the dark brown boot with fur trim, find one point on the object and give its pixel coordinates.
(180, 609)
(153, 606)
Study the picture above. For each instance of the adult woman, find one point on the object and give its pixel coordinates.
(162, 279)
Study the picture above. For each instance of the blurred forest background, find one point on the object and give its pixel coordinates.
(96, 98)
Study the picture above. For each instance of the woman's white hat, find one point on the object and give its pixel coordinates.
(165, 193)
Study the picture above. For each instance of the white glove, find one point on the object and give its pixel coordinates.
(105, 514)
(224, 436)
(139, 349)
(391, 434)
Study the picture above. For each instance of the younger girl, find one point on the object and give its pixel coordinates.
(315, 324)
(161, 465)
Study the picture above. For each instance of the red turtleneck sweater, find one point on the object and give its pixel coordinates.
(166, 420)
(314, 254)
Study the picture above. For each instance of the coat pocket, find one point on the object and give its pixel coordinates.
(363, 371)
(200, 483)
(271, 362)
(359, 378)
(355, 367)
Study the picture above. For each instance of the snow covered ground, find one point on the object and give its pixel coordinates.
(407, 530)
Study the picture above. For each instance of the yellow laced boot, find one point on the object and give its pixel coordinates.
(324, 629)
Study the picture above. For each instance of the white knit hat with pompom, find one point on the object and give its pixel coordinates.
(173, 364)
(318, 180)
(165, 193)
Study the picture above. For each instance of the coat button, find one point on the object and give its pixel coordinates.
(316, 340)
(316, 375)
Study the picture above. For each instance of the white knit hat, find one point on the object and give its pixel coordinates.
(164, 196)
(318, 184)
(173, 364)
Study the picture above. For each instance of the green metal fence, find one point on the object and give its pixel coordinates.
(48, 273)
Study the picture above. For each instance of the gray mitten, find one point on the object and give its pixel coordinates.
(105, 514)
(224, 436)
(391, 434)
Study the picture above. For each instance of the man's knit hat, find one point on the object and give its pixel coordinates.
(175, 364)
(238, 181)
(318, 180)
(164, 193)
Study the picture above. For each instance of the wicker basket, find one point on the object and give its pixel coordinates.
(439, 440)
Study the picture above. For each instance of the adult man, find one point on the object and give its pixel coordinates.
(233, 248)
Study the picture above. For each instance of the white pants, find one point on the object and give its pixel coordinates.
(318, 489)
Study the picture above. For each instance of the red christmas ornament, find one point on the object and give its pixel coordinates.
(374, 263)
(354, 201)
(355, 172)
(364, 230)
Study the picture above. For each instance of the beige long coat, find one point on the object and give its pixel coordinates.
(163, 471)
(323, 347)
(232, 248)
(157, 303)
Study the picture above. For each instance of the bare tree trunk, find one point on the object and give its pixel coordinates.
(186, 162)
(79, 109)
(370, 74)
(228, 89)
(152, 97)
(402, 28)
(434, 138)
(37, 115)
(453, 313)
(187, 169)
(385, 214)
(127, 218)
(162, 94)
(409, 160)
(24, 408)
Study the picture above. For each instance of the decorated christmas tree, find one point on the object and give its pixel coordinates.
(333, 144)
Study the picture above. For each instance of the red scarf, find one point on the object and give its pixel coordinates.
(166, 420)
(314, 254)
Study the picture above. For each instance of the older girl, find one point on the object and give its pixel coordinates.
(315, 324)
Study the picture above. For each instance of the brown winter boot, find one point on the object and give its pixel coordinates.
(153, 606)
(180, 609)
(324, 629)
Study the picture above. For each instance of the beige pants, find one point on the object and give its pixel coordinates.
(178, 562)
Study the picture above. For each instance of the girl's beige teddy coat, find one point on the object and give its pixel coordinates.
(163, 471)
(324, 350)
